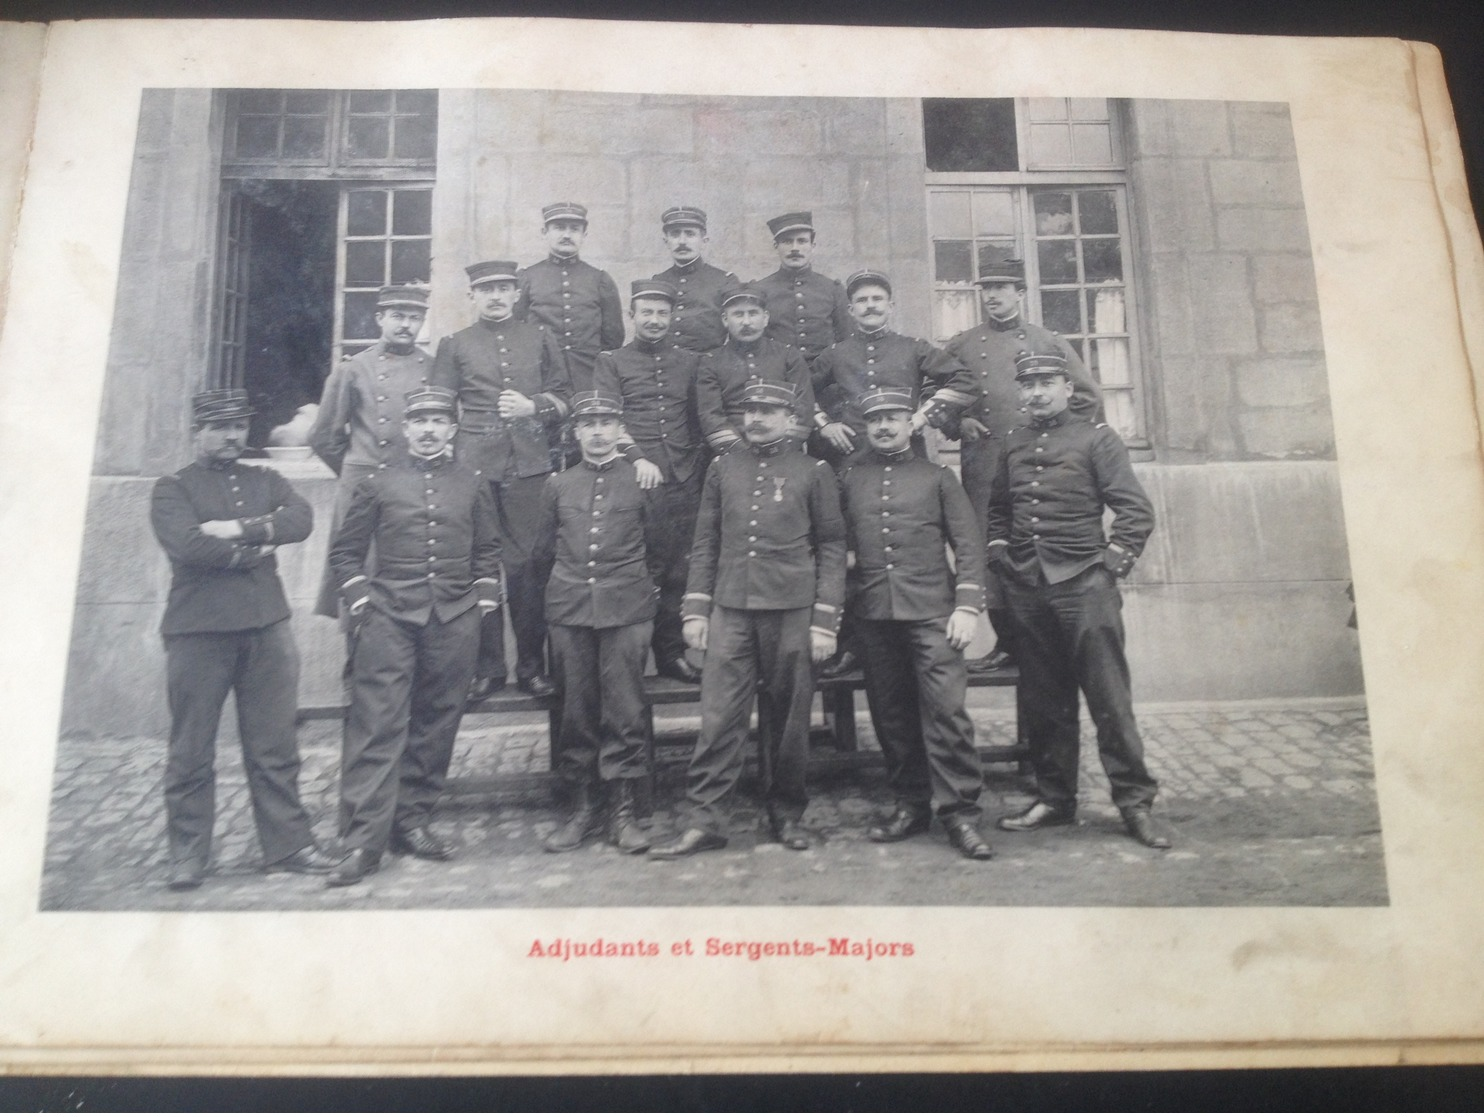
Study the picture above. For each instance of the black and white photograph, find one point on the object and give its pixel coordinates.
(355, 629)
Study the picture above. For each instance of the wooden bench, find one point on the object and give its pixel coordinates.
(837, 695)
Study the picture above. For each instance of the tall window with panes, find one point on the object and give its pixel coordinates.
(326, 197)
(1043, 177)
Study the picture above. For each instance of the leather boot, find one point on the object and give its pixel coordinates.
(581, 824)
(624, 830)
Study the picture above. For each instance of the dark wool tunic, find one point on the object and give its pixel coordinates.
(657, 383)
(696, 322)
(805, 309)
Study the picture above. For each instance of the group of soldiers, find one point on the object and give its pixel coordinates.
(743, 484)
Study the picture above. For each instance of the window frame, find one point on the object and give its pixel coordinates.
(337, 161)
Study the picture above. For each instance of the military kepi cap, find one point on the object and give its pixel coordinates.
(653, 289)
(743, 291)
(773, 393)
(563, 211)
(998, 265)
(415, 298)
(585, 405)
(220, 404)
(864, 276)
(683, 215)
(491, 271)
(1040, 364)
(422, 401)
(888, 399)
(802, 221)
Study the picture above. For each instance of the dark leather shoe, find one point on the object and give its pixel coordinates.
(997, 658)
(903, 823)
(537, 686)
(358, 864)
(692, 841)
(310, 860)
(790, 834)
(1037, 816)
(419, 841)
(488, 687)
(842, 663)
(579, 827)
(681, 669)
(186, 876)
(965, 838)
(1140, 827)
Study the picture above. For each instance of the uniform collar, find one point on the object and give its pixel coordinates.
(806, 270)
(503, 323)
(602, 467)
(872, 335)
(769, 449)
(896, 457)
(1001, 325)
(747, 348)
(221, 465)
(437, 462)
(386, 347)
(694, 265)
(563, 261)
(644, 345)
(1057, 420)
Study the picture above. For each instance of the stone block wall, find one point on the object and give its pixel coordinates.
(1234, 360)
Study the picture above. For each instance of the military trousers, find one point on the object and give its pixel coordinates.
(916, 683)
(746, 649)
(261, 667)
(1069, 637)
(407, 691)
(601, 672)
(518, 506)
(670, 525)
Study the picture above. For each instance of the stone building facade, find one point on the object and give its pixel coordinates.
(1167, 238)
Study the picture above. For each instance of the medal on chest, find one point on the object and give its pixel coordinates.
(778, 489)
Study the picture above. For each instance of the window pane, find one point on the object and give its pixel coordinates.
(411, 260)
(1102, 260)
(954, 311)
(1118, 406)
(994, 213)
(1062, 311)
(1053, 214)
(257, 137)
(368, 137)
(307, 101)
(412, 212)
(259, 101)
(1097, 212)
(304, 137)
(360, 314)
(1058, 261)
(948, 214)
(1088, 108)
(367, 216)
(416, 137)
(371, 100)
(1110, 355)
(1051, 145)
(954, 262)
(365, 263)
(967, 134)
(1092, 144)
(1047, 108)
(1108, 314)
(986, 247)
(424, 101)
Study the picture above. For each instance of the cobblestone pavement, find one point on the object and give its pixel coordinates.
(1267, 805)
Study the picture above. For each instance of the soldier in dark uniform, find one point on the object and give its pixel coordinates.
(432, 522)
(656, 381)
(600, 604)
(915, 615)
(726, 374)
(698, 285)
(989, 350)
(874, 356)
(359, 426)
(575, 302)
(226, 628)
(1053, 479)
(806, 310)
(513, 392)
(766, 583)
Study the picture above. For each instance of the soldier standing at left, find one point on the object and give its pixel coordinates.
(576, 303)
(359, 426)
(600, 603)
(432, 522)
(226, 628)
